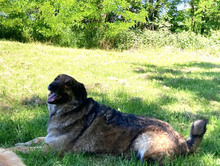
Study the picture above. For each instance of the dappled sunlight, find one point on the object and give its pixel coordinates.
(165, 83)
(188, 81)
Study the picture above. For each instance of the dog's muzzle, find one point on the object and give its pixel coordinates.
(54, 97)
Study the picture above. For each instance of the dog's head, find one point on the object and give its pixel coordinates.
(66, 89)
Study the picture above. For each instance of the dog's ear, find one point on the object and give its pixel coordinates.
(80, 93)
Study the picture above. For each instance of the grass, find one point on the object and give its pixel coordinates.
(170, 84)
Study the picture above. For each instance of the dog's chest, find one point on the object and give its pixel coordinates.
(64, 127)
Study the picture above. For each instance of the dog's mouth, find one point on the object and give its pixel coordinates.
(54, 98)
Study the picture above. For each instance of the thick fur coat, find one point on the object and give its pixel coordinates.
(80, 124)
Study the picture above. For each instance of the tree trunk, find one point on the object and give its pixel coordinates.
(192, 15)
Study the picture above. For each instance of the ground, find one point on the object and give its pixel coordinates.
(177, 86)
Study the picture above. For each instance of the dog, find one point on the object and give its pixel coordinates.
(9, 158)
(80, 124)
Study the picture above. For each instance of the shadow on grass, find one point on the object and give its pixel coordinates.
(138, 106)
(203, 84)
(190, 77)
(21, 130)
(22, 121)
(204, 65)
(212, 139)
(34, 101)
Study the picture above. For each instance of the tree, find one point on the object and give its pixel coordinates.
(204, 15)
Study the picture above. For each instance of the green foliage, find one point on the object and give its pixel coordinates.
(13, 19)
(204, 16)
(62, 22)
(107, 23)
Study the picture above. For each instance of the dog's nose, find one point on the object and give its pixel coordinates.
(53, 86)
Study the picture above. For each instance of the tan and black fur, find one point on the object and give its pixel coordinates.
(80, 124)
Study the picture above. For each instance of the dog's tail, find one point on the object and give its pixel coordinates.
(197, 132)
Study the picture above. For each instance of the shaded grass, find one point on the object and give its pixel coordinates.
(170, 84)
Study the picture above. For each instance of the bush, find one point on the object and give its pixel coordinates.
(161, 38)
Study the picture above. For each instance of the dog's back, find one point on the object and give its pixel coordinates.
(9, 158)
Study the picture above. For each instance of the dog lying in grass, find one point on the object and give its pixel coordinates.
(80, 124)
(9, 158)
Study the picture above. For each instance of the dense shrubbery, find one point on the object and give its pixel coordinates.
(161, 38)
(120, 24)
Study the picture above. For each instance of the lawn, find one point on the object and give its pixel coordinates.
(177, 86)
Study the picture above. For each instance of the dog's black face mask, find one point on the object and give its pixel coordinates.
(65, 89)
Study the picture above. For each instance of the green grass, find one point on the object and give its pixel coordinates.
(170, 84)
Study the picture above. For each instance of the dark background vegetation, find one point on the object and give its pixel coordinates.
(112, 23)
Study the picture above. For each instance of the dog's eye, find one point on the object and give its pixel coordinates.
(68, 83)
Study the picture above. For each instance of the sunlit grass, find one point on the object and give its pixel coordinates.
(170, 84)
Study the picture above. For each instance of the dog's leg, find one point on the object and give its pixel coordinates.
(154, 146)
(32, 145)
(38, 140)
(25, 149)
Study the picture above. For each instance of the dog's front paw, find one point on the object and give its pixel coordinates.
(22, 144)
